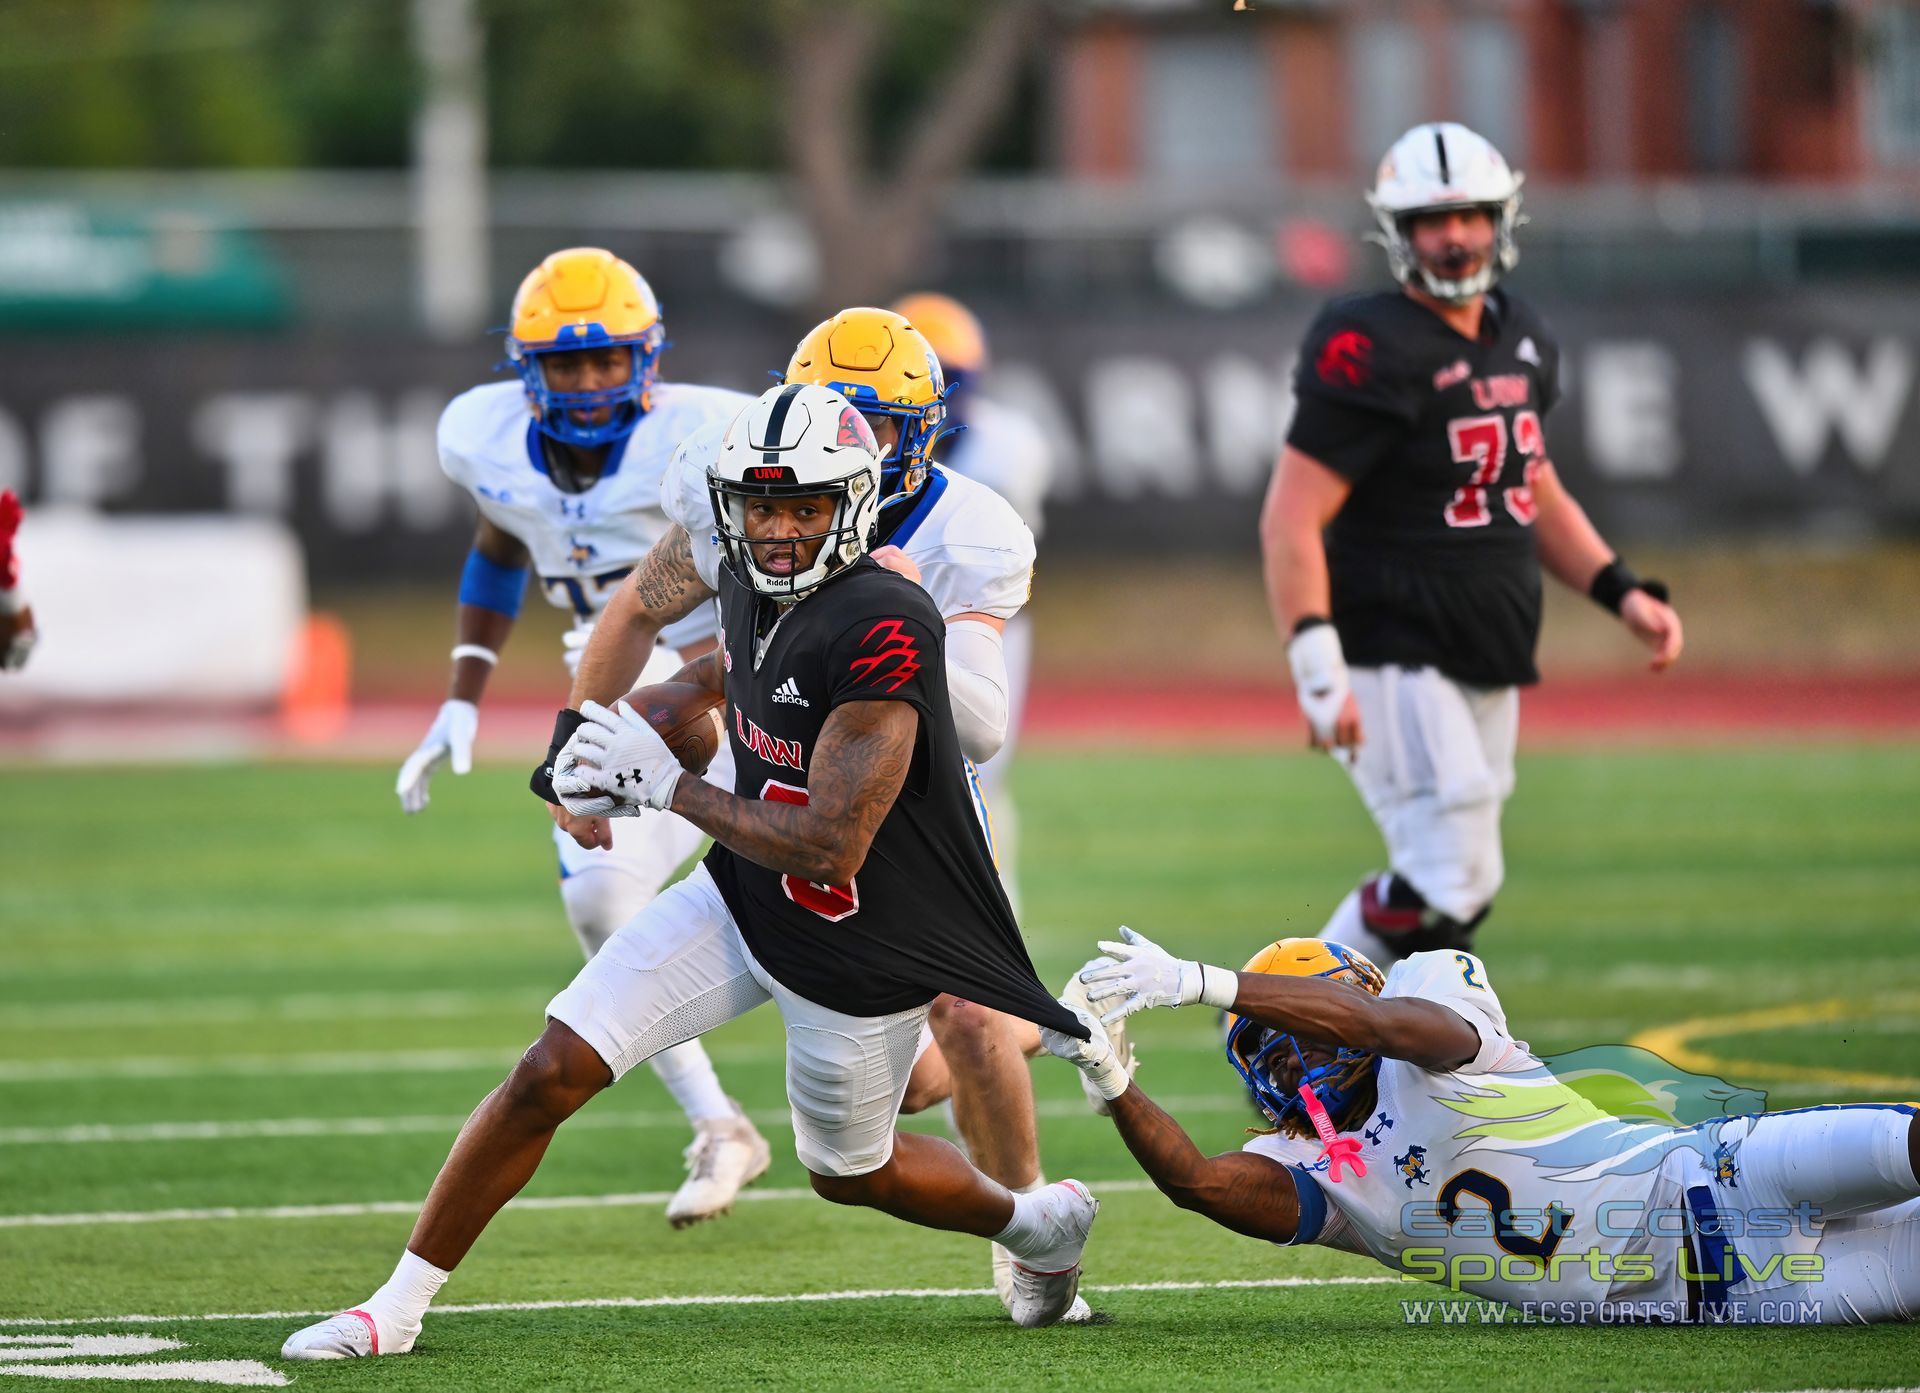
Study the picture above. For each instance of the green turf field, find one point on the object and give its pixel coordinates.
(247, 988)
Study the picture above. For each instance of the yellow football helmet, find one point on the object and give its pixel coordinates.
(952, 330)
(1258, 1053)
(586, 297)
(885, 367)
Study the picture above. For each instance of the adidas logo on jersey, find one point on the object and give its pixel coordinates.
(789, 693)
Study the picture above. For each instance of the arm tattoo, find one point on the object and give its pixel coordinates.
(665, 580)
(857, 770)
(1238, 1190)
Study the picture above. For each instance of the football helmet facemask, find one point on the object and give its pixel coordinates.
(878, 361)
(1261, 1055)
(585, 297)
(1436, 168)
(797, 441)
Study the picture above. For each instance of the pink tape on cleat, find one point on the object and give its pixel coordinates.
(1339, 1151)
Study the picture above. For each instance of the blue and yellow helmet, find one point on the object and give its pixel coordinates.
(1261, 1054)
(586, 297)
(878, 361)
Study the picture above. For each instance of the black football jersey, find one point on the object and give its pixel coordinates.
(1432, 558)
(926, 913)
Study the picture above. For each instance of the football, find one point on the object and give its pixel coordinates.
(686, 716)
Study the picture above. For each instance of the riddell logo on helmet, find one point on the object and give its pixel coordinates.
(1346, 359)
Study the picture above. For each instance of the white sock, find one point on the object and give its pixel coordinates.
(403, 1301)
(1346, 926)
(688, 1074)
(1031, 1235)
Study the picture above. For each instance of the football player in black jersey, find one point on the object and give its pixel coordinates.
(850, 883)
(1404, 534)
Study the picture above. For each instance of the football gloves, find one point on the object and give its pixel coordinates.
(615, 753)
(449, 738)
(1319, 678)
(1141, 975)
(1094, 1057)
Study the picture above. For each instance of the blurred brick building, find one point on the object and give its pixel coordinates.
(1788, 91)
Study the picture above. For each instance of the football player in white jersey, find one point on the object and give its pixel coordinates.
(968, 548)
(1451, 1153)
(995, 445)
(565, 466)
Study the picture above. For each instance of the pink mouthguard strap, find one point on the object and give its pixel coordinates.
(1339, 1151)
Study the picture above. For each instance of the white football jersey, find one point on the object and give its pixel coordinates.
(1007, 452)
(975, 555)
(582, 543)
(1482, 1177)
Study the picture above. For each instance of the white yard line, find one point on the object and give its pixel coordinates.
(103, 1133)
(236, 1010)
(639, 1198)
(741, 1299)
(187, 1066)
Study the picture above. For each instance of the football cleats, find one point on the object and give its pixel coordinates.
(585, 297)
(796, 441)
(885, 367)
(1433, 168)
(1262, 1055)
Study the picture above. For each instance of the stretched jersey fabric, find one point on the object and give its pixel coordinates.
(582, 542)
(1432, 558)
(1499, 1172)
(925, 913)
(975, 555)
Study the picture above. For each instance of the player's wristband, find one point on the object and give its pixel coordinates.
(475, 650)
(1219, 988)
(1308, 621)
(1613, 581)
(564, 725)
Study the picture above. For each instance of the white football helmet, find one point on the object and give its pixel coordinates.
(1435, 167)
(795, 441)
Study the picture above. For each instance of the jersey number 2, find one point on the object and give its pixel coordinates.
(1481, 441)
(830, 902)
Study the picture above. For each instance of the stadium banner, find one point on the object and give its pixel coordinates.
(1678, 419)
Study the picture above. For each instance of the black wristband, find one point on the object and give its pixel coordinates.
(1308, 621)
(564, 725)
(1612, 582)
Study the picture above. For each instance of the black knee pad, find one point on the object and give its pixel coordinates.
(1402, 918)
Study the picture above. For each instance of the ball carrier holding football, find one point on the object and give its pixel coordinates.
(967, 547)
(850, 883)
(1404, 534)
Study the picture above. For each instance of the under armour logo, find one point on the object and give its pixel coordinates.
(1379, 1129)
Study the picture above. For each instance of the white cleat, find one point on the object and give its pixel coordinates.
(350, 1335)
(1046, 1285)
(1079, 1313)
(723, 1159)
(1075, 994)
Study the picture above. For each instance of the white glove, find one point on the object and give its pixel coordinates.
(1319, 677)
(573, 644)
(450, 737)
(1143, 975)
(1094, 1057)
(576, 795)
(620, 754)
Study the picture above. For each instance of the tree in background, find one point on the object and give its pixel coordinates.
(872, 225)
